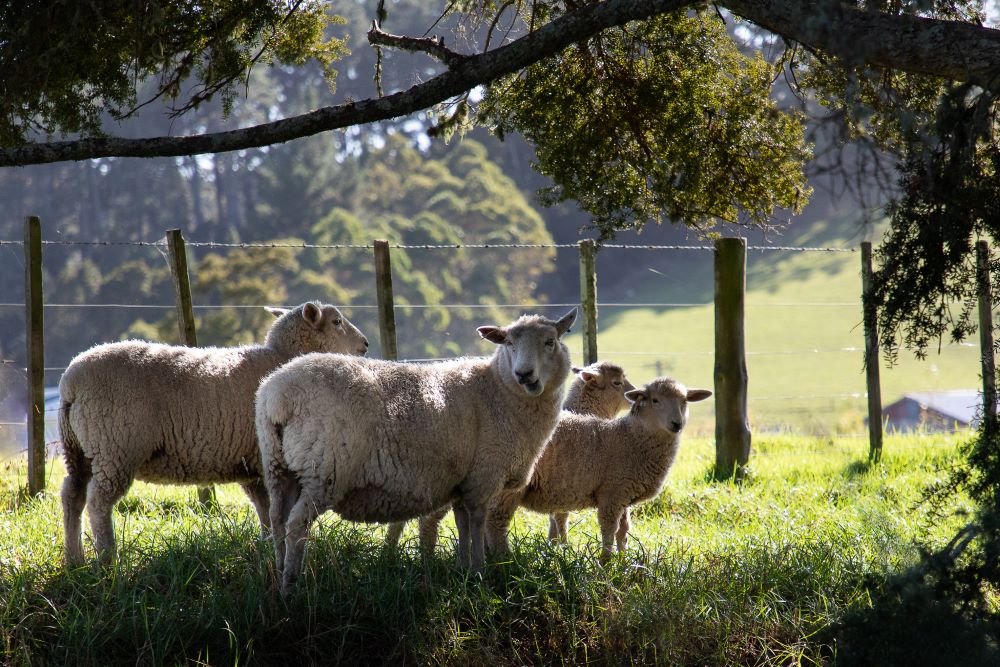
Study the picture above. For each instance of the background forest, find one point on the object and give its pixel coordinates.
(387, 180)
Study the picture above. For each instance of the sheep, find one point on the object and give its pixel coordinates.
(608, 464)
(598, 389)
(383, 441)
(174, 414)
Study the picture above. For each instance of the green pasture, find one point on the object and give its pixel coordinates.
(716, 573)
(804, 340)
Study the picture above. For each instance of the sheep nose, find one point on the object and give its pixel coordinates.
(676, 426)
(524, 376)
(365, 341)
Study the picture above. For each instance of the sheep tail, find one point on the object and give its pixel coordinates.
(77, 465)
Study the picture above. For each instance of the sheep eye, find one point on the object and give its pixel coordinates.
(550, 343)
(337, 322)
(655, 400)
(616, 383)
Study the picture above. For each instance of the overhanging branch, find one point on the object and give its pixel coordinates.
(949, 49)
(432, 46)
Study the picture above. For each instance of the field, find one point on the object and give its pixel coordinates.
(716, 574)
(804, 340)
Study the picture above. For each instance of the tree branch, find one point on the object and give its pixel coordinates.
(948, 49)
(917, 45)
(432, 46)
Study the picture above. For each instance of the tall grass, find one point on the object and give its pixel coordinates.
(716, 574)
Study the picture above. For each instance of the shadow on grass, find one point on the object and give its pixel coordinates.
(911, 623)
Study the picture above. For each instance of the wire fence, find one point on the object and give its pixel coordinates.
(816, 405)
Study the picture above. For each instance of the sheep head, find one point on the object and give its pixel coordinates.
(531, 355)
(663, 403)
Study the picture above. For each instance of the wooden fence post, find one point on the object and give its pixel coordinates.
(185, 316)
(588, 300)
(732, 428)
(986, 337)
(35, 343)
(872, 378)
(383, 291)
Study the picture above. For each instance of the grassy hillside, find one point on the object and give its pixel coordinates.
(805, 344)
(716, 574)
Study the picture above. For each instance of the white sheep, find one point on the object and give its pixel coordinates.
(176, 415)
(608, 464)
(383, 441)
(598, 389)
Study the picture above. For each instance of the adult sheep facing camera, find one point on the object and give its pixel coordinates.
(174, 415)
(382, 441)
(598, 389)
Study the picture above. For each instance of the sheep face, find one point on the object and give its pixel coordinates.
(607, 384)
(663, 403)
(314, 327)
(531, 354)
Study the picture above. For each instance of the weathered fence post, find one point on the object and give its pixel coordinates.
(185, 314)
(588, 300)
(732, 428)
(35, 343)
(986, 337)
(872, 379)
(383, 292)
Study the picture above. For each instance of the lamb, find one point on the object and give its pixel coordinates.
(383, 441)
(607, 464)
(173, 414)
(598, 389)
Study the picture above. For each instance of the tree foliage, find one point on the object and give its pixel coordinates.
(65, 64)
(659, 120)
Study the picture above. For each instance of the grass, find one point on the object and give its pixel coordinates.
(716, 574)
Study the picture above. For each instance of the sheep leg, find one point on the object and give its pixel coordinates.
(462, 524)
(623, 527)
(300, 520)
(74, 499)
(498, 522)
(393, 533)
(257, 493)
(609, 517)
(284, 492)
(102, 494)
(429, 530)
(559, 527)
(477, 531)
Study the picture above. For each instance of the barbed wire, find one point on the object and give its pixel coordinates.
(444, 246)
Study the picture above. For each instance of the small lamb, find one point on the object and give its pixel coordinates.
(607, 464)
(174, 415)
(383, 441)
(598, 389)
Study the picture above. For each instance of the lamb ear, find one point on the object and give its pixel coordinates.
(565, 322)
(698, 394)
(636, 395)
(312, 313)
(277, 312)
(575, 370)
(588, 376)
(493, 334)
(628, 385)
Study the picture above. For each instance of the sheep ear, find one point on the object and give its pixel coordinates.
(575, 370)
(565, 322)
(698, 394)
(588, 376)
(277, 312)
(636, 395)
(493, 334)
(628, 385)
(313, 314)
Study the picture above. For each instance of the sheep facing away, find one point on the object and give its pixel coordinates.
(598, 389)
(383, 441)
(174, 414)
(608, 464)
